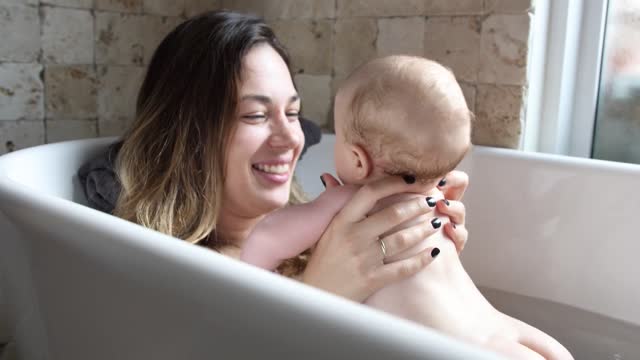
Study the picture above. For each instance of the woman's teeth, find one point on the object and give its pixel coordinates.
(273, 169)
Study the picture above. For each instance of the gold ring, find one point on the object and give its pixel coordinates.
(383, 247)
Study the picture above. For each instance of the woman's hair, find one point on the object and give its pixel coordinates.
(172, 162)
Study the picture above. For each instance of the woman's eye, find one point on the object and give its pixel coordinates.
(293, 114)
(255, 117)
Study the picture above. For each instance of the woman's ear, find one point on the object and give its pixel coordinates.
(361, 162)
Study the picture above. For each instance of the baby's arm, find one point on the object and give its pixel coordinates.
(289, 231)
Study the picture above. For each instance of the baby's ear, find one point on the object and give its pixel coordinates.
(361, 162)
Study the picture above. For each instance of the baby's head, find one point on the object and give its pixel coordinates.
(400, 115)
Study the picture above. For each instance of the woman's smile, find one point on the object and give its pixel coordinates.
(274, 172)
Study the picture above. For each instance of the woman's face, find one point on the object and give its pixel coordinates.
(267, 140)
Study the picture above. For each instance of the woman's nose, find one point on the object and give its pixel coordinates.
(285, 132)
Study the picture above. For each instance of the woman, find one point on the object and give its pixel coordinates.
(213, 149)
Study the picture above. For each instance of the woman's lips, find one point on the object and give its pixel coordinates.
(274, 173)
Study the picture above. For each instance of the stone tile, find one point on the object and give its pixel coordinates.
(19, 2)
(21, 92)
(164, 7)
(118, 90)
(255, 7)
(454, 42)
(113, 126)
(354, 43)
(80, 4)
(498, 116)
(401, 36)
(20, 29)
(503, 49)
(315, 92)
(16, 135)
(63, 130)
(154, 31)
(119, 38)
(195, 7)
(352, 8)
(72, 91)
(469, 91)
(453, 7)
(299, 9)
(508, 6)
(309, 44)
(67, 36)
(127, 6)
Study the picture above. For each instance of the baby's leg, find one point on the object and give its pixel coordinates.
(512, 349)
(539, 341)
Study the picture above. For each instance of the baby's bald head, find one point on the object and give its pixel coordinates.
(409, 114)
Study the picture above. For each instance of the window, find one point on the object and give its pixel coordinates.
(584, 80)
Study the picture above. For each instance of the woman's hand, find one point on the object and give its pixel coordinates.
(453, 187)
(348, 260)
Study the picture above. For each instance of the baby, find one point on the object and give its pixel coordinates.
(402, 115)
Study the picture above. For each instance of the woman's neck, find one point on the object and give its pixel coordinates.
(234, 229)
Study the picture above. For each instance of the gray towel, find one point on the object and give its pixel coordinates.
(101, 185)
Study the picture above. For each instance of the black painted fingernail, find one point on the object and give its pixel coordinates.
(454, 225)
(435, 252)
(431, 201)
(409, 179)
(323, 183)
(442, 182)
(436, 223)
(445, 201)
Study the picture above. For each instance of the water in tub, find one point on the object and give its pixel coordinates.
(587, 335)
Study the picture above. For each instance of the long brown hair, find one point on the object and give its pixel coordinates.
(172, 161)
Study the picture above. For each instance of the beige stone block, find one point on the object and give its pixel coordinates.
(127, 6)
(503, 49)
(16, 135)
(21, 92)
(20, 29)
(453, 7)
(67, 36)
(19, 2)
(508, 6)
(71, 91)
(455, 43)
(118, 90)
(195, 7)
(401, 36)
(498, 116)
(113, 126)
(469, 91)
(155, 30)
(376, 8)
(315, 92)
(310, 44)
(119, 38)
(81, 4)
(164, 7)
(355, 41)
(299, 9)
(63, 130)
(255, 7)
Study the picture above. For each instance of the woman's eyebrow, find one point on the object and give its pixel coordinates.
(265, 99)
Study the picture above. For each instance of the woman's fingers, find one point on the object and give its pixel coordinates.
(404, 239)
(458, 234)
(454, 184)
(329, 181)
(455, 210)
(402, 269)
(368, 195)
(394, 215)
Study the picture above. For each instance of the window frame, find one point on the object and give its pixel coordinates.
(565, 57)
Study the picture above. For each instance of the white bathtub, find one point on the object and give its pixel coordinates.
(552, 242)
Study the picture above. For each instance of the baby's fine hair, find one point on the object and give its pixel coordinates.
(380, 96)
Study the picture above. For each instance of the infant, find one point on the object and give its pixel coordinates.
(403, 115)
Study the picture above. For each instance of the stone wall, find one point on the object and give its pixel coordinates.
(71, 68)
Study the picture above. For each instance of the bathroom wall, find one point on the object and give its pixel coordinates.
(71, 68)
